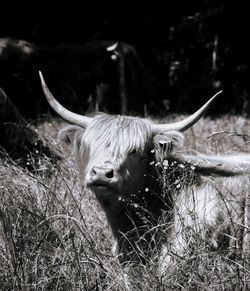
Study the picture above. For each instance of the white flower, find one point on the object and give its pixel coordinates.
(165, 164)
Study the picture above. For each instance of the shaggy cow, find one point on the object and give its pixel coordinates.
(132, 166)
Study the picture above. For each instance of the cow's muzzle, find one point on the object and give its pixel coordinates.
(102, 173)
(101, 176)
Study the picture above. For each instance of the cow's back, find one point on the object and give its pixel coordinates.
(213, 215)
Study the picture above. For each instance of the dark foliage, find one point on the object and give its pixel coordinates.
(73, 73)
(194, 48)
(20, 141)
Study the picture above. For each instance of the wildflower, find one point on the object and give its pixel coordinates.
(177, 181)
(165, 164)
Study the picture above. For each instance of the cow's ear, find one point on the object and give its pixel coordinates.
(167, 142)
(69, 133)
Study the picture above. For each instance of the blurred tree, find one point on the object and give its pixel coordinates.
(194, 47)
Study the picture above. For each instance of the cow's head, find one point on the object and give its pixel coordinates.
(116, 154)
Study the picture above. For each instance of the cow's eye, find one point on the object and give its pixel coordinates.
(133, 152)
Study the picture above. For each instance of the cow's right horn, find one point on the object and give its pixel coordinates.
(67, 115)
(187, 122)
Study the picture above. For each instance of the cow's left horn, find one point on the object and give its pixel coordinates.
(67, 115)
(187, 122)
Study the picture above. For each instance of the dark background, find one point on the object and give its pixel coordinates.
(196, 47)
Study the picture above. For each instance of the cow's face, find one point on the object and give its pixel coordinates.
(117, 155)
(112, 156)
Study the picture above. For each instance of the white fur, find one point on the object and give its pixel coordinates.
(209, 206)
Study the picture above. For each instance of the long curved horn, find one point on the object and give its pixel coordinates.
(67, 115)
(187, 122)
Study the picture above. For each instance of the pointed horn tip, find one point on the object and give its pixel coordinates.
(42, 79)
(45, 88)
(214, 97)
(40, 75)
(211, 100)
(218, 93)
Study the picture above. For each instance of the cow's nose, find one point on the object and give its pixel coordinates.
(102, 173)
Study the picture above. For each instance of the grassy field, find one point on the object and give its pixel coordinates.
(54, 236)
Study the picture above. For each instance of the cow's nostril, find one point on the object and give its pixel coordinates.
(110, 174)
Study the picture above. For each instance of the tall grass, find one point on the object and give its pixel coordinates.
(54, 235)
